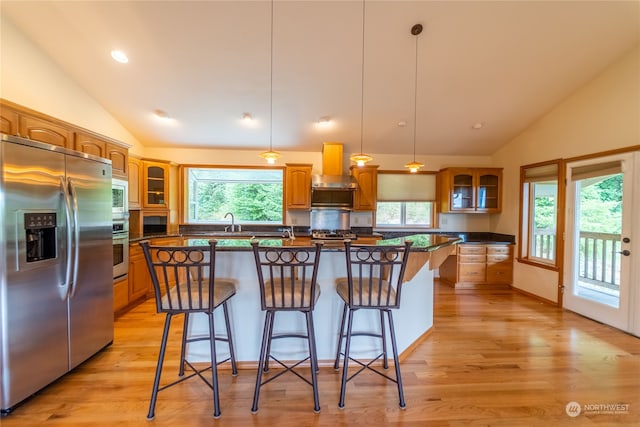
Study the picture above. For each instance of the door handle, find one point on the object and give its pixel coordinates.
(625, 252)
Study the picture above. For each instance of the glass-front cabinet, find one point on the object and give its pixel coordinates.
(155, 185)
(470, 190)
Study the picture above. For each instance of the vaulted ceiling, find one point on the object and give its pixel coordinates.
(205, 63)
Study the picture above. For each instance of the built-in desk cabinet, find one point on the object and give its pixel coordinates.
(470, 190)
(298, 186)
(479, 264)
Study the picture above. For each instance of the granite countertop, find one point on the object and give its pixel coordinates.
(421, 242)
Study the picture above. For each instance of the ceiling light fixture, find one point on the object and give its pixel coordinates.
(119, 56)
(246, 117)
(271, 156)
(361, 158)
(324, 121)
(415, 166)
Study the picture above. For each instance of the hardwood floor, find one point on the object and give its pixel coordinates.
(495, 357)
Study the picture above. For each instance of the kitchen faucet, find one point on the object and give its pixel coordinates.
(289, 231)
(233, 223)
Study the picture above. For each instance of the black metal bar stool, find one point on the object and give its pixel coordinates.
(287, 279)
(184, 282)
(373, 282)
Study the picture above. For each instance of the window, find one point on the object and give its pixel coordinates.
(253, 195)
(406, 200)
(539, 213)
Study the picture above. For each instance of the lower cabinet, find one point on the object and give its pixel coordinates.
(479, 264)
(140, 285)
(139, 279)
(120, 293)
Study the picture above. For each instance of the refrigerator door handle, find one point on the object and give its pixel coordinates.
(67, 216)
(76, 236)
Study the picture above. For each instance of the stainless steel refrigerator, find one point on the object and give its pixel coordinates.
(56, 288)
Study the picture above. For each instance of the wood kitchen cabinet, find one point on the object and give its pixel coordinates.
(479, 264)
(8, 120)
(135, 182)
(470, 190)
(101, 147)
(120, 293)
(366, 194)
(119, 157)
(139, 279)
(155, 184)
(43, 130)
(140, 285)
(298, 186)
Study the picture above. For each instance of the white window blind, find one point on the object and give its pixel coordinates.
(402, 187)
(541, 173)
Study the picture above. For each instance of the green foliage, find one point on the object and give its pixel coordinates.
(601, 206)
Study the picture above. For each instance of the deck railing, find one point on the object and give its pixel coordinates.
(599, 258)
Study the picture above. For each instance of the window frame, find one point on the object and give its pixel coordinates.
(403, 208)
(183, 195)
(526, 210)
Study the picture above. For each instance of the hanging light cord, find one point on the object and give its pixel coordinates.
(271, 84)
(415, 100)
(362, 85)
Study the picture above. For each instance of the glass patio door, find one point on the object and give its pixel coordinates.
(599, 241)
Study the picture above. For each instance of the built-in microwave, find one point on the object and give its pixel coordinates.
(332, 198)
(119, 198)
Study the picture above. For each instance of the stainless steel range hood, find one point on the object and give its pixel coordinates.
(333, 182)
(332, 177)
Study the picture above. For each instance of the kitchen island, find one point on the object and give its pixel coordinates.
(234, 259)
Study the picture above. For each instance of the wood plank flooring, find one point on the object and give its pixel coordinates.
(495, 357)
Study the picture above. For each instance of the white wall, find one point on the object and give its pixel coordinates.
(602, 115)
(30, 78)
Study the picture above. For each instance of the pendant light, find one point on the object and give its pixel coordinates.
(271, 156)
(361, 158)
(415, 166)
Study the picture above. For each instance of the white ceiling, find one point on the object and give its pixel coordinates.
(501, 63)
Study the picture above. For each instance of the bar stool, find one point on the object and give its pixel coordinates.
(287, 279)
(184, 283)
(373, 282)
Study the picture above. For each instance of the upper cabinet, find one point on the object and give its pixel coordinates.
(298, 186)
(38, 129)
(119, 157)
(8, 120)
(366, 194)
(135, 182)
(101, 147)
(90, 144)
(21, 121)
(155, 184)
(470, 190)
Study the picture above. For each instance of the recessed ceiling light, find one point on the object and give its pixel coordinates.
(324, 122)
(477, 125)
(402, 123)
(161, 114)
(119, 56)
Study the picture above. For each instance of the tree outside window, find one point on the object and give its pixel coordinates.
(252, 195)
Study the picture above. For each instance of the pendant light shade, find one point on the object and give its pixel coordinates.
(271, 156)
(414, 166)
(361, 158)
